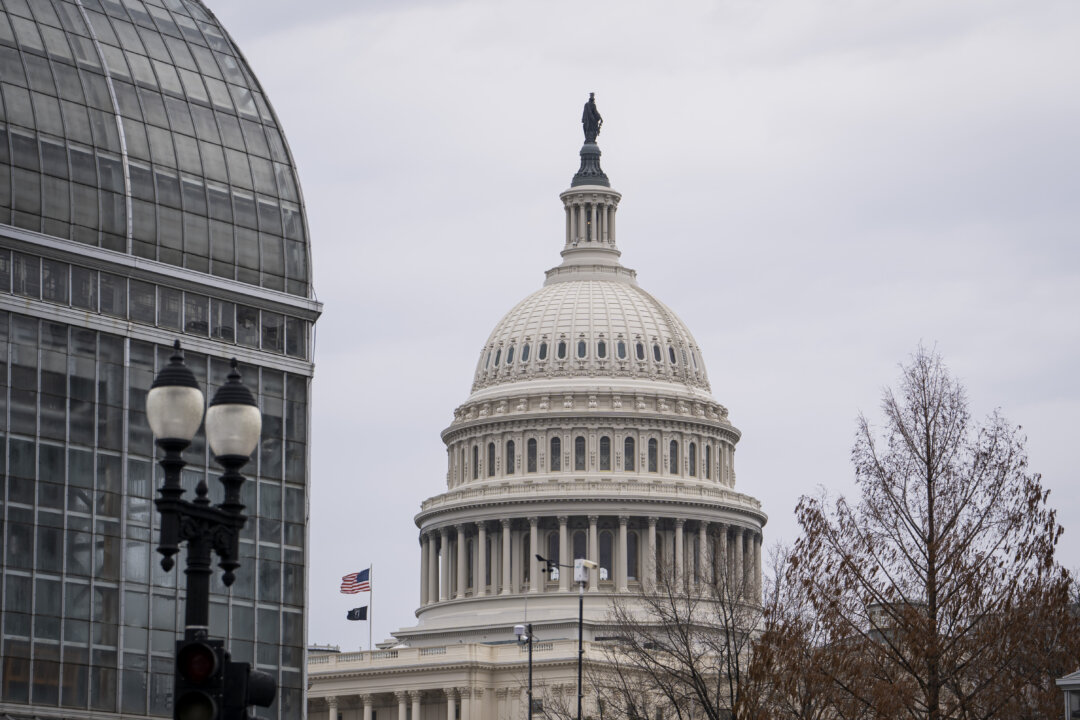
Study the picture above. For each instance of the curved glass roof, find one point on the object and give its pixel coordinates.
(137, 126)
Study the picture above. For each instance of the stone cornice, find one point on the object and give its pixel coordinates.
(592, 493)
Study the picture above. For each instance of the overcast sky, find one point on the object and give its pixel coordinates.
(814, 187)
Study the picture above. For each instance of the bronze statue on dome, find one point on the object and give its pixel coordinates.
(591, 120)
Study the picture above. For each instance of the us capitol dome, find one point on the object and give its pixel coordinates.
(590, 432)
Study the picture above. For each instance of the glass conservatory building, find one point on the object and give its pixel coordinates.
(146, 194)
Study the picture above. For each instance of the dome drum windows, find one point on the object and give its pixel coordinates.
(620, 349)
(579, 452)
(691, 463)
(491, 459)
(510, 458)
(673, 457)
(639, 351)
(555, 460)
(525, 353)
(510, 355)
(605, 453)
(560, 350)
(628, 454)
(671, 354)
(541, 354)
(530, 455)
(601, 349)
(654, 463)
(657, 357)
(582, 349)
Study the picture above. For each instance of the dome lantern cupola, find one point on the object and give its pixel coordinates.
(590, 205)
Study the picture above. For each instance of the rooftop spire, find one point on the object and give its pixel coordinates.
(590, 172)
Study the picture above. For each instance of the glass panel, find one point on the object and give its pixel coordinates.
(113, 295)
(273, 331)
(222, 320)
(196, 314)
(170, 308)
(55, 281)
(142, 302)
(247, 326)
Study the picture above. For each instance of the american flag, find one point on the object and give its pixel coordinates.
(356, 582)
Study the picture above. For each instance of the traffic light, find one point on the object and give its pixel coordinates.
(197, 691)
(245, 687)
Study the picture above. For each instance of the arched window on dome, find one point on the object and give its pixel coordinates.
(560, 350)
(653, 452)
(526, 556)
(671, 355)
(510, 355)
(620, 349)
(580, 541)
(693, 357)
(542, 353)
(601, 349)
(691, 463)
(655, 353)
(628, 454)
(498, 354)
(708, 461)
(530, 455)
(470, 549)
(491, 459)
(510, 457)
(487, 560)
(487, 360)
(582, 347)
(475, 462)
(555, 459)
(553, 549)
(639, 350)
(606, 542)
(673, 459)
(525, 353)
(632, 555)
(605, 453)
(579, 452)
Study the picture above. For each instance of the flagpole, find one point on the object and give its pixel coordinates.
(371, 605)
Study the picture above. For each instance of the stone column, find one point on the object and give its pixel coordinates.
(414, 695)
(402, 705)
(331, 708)
(466, 703)
(611, 231)
(505, 557)
(535, 581)
(739, 576)
(425, 558)
(722, 559)
(703, 555)
(451, 703)
(679, 553)
(369, 701)
(650, 562)
(583, 232)
(757, 567)
(481, 559)
(565, 573)
(621, 581)
(462, 578)
(444, 553)
(594, 553)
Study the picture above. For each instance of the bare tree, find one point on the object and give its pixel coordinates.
(681, 648)
(937, 595)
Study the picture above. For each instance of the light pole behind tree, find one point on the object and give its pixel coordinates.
(209, 686)
(581, 576)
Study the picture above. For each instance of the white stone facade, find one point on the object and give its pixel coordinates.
(590, 432)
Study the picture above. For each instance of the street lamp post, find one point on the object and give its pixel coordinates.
(525, 634)
(209, 686)
(581, 576)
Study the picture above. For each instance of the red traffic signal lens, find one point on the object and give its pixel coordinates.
(196, 662)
